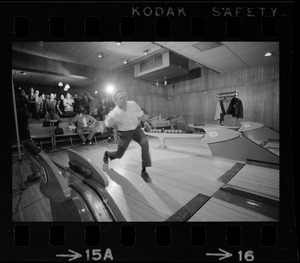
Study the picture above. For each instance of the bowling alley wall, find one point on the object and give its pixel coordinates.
(195, 99)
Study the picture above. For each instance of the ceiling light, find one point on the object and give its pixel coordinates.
(118, 43)
(146, 52)
(100, 55)
(110, 88)
(60, 84)
(125, 61)
(268, 54)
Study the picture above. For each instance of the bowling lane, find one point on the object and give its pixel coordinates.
(187, 184)
(259, 180)
(252, 194)
(177, 177)
(221, 210)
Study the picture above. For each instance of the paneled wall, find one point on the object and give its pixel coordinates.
(258, 90)
(196, 100)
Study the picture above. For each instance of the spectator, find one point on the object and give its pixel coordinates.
(22, 114)
(85, 102)
(77, 103)
(38, 104)
(106, 106)
(85, 123)
(69, 108)
(94, 106)
(51, 103)
(43, 106)
(60, 108)
(31, 103)
(51, 115)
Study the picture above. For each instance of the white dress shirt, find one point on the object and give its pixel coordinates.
(125, 119)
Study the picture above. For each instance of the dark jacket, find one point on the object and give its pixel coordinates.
(235, 108)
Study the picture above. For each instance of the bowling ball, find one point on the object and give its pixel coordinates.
(147, 129)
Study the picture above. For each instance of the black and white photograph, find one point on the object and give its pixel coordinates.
(137, 131)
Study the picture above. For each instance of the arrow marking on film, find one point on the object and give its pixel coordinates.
(72, 256)
(223, 255)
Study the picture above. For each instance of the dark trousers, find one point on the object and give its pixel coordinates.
(125, 138)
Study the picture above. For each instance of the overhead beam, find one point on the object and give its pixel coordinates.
(38, 64)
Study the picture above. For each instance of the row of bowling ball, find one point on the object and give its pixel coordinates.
(165, 131)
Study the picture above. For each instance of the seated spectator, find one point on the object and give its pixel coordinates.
(85, 123)
(51, 115)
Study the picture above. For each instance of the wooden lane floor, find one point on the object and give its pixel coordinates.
(251, 195)
(185, 180)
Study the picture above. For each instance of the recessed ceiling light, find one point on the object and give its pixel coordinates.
(146, 51)
(125, 61)
(118, 43)
(268, 54)
(100, 55)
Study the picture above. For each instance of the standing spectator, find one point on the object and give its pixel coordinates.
(103, 108)
(85, 102)
(51, 103)
(22, 114)
(94, 106)
(69, 108)
(60, 108)
(31, 103)
(77, 103)
(43, 106)
(38, 104)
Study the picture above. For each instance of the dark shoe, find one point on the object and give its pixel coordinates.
(106, 158)
(88, 142)
(146, 177)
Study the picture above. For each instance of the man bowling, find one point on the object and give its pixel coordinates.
(127, 116)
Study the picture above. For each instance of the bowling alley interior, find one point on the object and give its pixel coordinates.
(210, 114)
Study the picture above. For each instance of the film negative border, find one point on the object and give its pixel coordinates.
(158, 241)
(138, 21)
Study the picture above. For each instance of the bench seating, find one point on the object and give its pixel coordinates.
(38, 133)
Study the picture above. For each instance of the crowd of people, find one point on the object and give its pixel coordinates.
(66, 105)
(33, 105)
